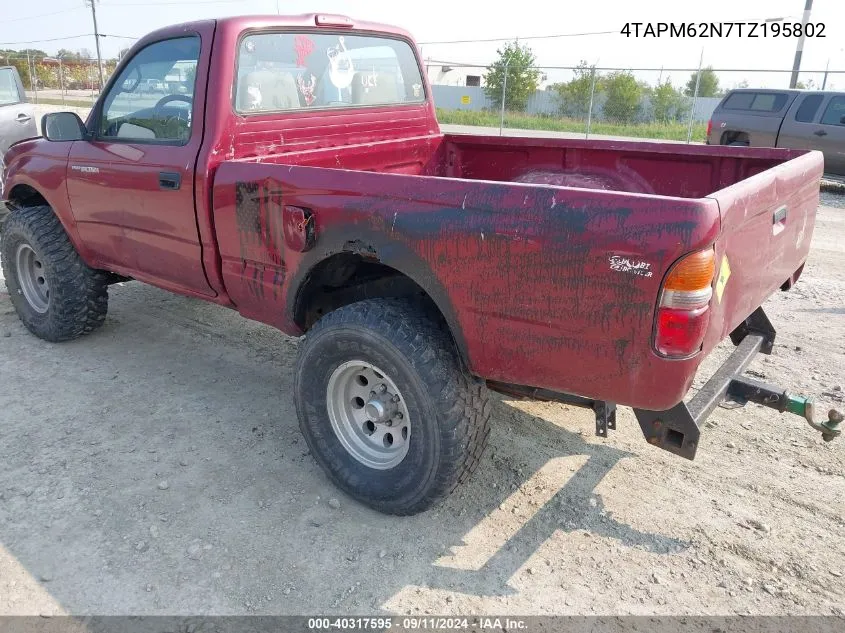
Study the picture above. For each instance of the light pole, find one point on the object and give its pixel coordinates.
(92, 4)
(61, 78)
(799, 49)
(504, 92)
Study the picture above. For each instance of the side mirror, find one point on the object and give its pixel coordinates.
(63, 126)
(842, 120)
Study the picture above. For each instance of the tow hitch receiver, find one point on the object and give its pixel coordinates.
(679, 428)
(743, 390)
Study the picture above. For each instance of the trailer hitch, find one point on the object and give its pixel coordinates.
(678, 429)
(743, 390)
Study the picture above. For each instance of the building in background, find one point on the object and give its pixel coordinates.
(443, 74)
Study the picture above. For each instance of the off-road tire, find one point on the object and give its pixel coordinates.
(78, 299)
(449, 408)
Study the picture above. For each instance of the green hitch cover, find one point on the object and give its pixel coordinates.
(797, 405)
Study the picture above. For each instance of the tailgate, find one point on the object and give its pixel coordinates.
(767, 223)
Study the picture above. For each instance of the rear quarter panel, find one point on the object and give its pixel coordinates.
(762, 130)
(543, 286)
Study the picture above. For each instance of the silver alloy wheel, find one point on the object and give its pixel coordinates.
(32, 278)
(368, 414)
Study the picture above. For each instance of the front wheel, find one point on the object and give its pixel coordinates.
(56, 295)
(387, 408)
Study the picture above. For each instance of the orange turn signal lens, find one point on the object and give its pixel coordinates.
(693, 272)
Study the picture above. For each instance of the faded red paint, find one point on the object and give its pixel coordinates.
(511, 237)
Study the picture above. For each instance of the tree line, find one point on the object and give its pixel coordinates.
(622, 95)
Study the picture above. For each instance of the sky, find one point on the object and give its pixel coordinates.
(439, 20)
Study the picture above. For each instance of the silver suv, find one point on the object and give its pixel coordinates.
(17, 119)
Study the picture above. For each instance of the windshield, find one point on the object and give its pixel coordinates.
(289, 71)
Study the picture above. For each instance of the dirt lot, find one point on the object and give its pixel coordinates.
(156, 467)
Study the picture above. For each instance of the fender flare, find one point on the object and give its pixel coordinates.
(389, 252)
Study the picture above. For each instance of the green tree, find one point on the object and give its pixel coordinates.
(624, 96)
(707, 87)
(522, 77)
(47, 75)
(666, 101)
(575, 94)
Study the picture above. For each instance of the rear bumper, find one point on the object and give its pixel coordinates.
(678, 430)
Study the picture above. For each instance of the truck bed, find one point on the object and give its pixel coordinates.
(527, 235)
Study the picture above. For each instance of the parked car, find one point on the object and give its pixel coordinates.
(423, 268)
(150, 86)
(783, 118)
(17, 120)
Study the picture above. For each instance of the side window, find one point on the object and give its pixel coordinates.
(835, 112)
(807, 110)
(152, 98)
(8, 87)
(756, 101)
(739, 101)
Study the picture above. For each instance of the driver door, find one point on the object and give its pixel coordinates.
(131, 187)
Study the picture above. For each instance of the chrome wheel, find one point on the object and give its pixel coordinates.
(368, 414)
(32, 278)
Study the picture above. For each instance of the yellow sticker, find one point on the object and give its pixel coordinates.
(724, 275)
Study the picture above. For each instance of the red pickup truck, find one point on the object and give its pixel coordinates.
(295, 172)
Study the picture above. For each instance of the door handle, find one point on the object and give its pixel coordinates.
(820, 133)
(23, 118)
(169, 180)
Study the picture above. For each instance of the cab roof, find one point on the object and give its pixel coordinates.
(328, 21)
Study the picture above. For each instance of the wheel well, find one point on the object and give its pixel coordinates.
(346, 277)
(26, 196)
(735, 137)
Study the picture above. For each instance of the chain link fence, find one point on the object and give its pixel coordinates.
(663, 103)
(73, 81)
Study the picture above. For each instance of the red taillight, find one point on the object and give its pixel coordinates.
(709, 127)
(681, 332)
(684, 313)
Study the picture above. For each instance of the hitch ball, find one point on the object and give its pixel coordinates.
(834, 419)
(830, 427)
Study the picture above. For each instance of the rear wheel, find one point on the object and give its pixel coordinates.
(387, 408)
(56, 295)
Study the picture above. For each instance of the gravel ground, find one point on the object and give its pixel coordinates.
(156, 467)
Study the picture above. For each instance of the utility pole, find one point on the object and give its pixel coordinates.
(93, 5)
(799, 49)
